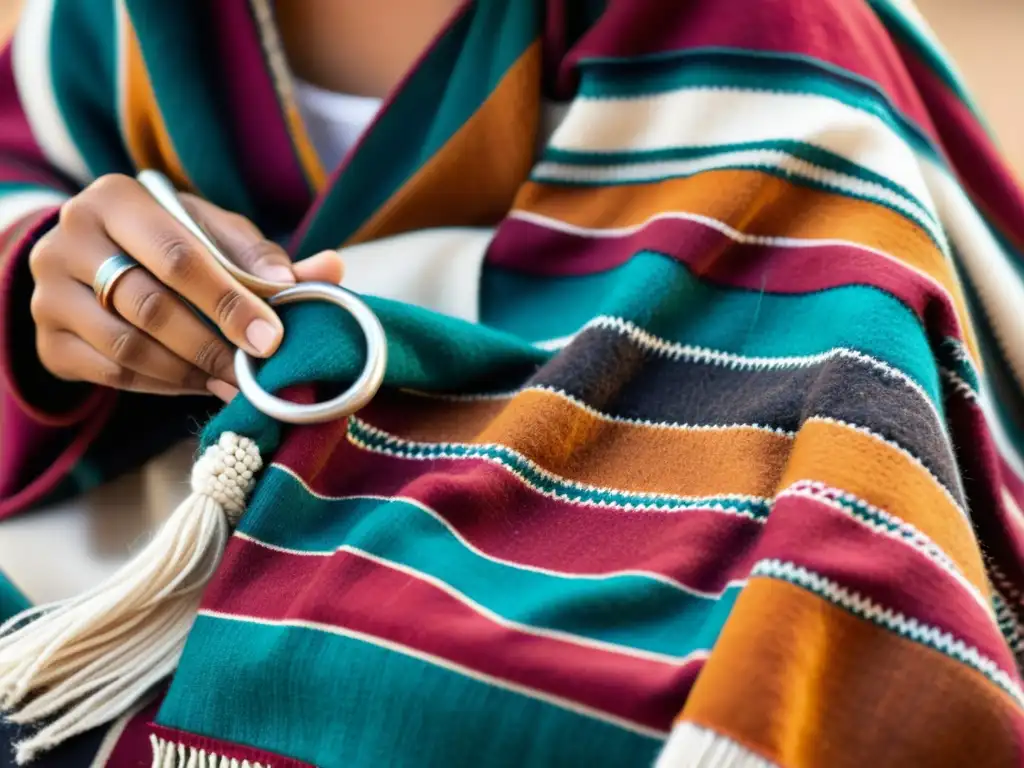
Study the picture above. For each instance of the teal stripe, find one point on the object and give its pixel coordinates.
(434, 353)
(427, 351)
(14, 187)
(12, 601)
(799, 149)
(664, 297)
(444, 91)
(630, 611)
(179, 47)
(83, 68)
(754, 70)
(339, 702)
(371, 439)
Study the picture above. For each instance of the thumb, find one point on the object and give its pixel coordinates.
(323, 267)
(242, 241)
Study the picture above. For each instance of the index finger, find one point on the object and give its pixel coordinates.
(143, 229)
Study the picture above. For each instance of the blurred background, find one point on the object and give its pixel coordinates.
(986, 37)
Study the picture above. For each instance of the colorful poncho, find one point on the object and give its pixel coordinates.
(702, 436)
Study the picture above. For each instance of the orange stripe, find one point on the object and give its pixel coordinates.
(474, 177)
(882, 476)
(808, 685)
(304, 149)
(148, 141)
(754, 203)
(577, 445)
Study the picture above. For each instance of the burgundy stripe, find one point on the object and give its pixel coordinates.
(701, 548)
(133, 747)
(814, 535)
(841, 33)
(17, 170)
(710, 254)
(268, 157)
(26, 433)
(978, 163)
(14, 127)
(367, 597)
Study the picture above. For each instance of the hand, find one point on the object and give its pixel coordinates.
(155, 343)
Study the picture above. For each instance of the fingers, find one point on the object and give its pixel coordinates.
(134, 359)
(143, 229)
(72, 359)
(141, 300)
(241, 240)
(324, 267)
(157, 311)
(157, 341)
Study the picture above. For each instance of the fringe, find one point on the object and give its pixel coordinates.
(173, 754)
(691, 746)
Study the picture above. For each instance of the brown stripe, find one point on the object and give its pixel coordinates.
(474, 177)
(579, 446)
(146, 136)
(807, 684)
(754, 203)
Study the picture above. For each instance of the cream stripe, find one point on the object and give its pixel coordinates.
(776, 160)
(998, 285)
(487, 613)
(17, 205)
(436, 269)
(31, 61)
(708, 117)
(437, 661)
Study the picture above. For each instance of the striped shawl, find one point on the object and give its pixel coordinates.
(703, 428)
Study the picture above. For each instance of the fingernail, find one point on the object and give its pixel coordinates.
(278, 273)
(222, 389)
(262, 335)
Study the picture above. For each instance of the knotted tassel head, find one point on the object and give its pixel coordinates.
(78, 663)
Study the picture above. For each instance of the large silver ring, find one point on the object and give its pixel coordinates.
(349, 401)
(109, 275)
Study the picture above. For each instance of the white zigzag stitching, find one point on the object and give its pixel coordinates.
(422, 452)
(906, 626)
(911, 536)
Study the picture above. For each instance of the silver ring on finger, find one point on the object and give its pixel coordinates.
(109, 275)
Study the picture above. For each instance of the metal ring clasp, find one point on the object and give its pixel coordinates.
(349, 401)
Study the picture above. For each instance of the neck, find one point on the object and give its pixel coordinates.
(358, 47)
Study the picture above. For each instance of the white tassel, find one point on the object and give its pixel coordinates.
(87, 660)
